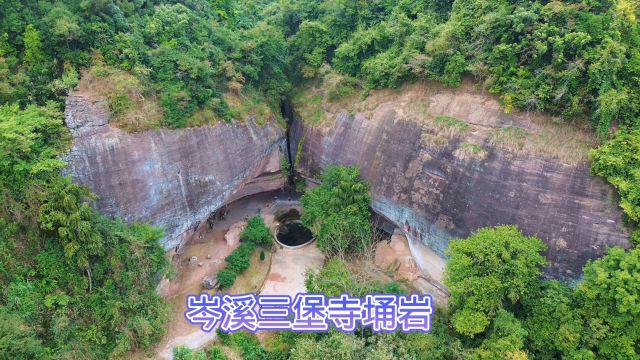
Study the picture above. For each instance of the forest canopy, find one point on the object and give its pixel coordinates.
(75, 284)
(574, 59)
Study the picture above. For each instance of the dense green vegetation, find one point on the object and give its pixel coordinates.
(337, 211)
(577, 58)
(491, 267)
(255, 234)
(74, 284)
(573, 59)
(618, 161)
(185, 54)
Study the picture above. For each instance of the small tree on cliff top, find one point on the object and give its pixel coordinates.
(338, 211)
(492, 267)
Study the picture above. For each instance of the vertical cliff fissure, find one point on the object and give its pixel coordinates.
(287, 113)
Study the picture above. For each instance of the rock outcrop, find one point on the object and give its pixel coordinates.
(232, 237)
(443, 163)
(169, 178)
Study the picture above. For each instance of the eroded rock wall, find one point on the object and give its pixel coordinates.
(169, 178)
(442, 179)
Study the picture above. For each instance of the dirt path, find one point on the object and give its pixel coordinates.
(288, 268)
(188, 282)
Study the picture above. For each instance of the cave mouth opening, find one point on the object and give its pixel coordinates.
(291, 232)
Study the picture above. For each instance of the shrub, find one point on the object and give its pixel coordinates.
(257, 232)
(635, 237)
(618, 162)
(216, 353)
(247, 343)
(608, 294)
(240, 258)
(262, 255)
(226, 278)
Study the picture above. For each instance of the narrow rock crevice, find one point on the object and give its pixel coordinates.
(287, 113)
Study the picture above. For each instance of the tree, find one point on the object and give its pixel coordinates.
(610, 297)
(332, 280)
(30, 141)
(491, 269)
(337, 211)
(17, 340)
(554, 324)
(308, 48)
(67, 214)
(257, 232)
(33, 54)
(504, 341)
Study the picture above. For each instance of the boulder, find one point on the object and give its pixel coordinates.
(209, 283)
(232, 237)
(193, 261)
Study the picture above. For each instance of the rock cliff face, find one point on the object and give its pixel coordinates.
(443, 163)
(169, 178)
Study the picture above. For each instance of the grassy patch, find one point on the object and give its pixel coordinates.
(251, 104)
(557, 141)
(253, 277)
(450, 124)
(133, 106)
(467, 151)
(330, 92)
(510, 138)
(309, 107)
(339, 87)
(434, 140)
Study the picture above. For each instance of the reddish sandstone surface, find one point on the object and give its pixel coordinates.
(170, 178)
(440, 179)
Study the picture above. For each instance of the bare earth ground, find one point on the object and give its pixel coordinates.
(188, 279)
(188, 282)
(288, 268)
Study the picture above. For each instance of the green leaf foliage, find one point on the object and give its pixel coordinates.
(337, 211)
(609, 296)
(226, 278)
(618, 161)
(493, 268)
(257, 232)
(554, 325)
(240, 258)
(75, 284)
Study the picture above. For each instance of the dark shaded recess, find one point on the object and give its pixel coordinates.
(293, 232)
(287, 114)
